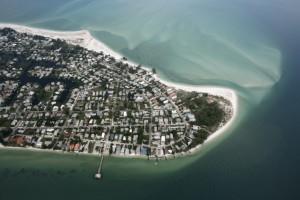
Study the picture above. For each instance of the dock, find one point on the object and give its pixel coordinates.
(98, 173)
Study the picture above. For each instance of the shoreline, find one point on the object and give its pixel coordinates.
(85, 39)
(32, 149)
(82, 38)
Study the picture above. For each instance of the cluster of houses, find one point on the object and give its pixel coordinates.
(115, 108)
(40, 72)
(6, 89)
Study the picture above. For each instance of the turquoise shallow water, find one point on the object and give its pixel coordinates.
(250, 46)
(191, 41)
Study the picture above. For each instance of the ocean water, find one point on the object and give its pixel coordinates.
(250, 46)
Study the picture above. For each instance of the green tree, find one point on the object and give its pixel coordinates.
(153, 70)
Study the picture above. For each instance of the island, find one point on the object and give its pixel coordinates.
(65, 93)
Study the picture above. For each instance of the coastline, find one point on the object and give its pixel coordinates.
(32, 149)
(84, 39)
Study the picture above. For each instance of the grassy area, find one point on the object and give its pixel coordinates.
(5, 123)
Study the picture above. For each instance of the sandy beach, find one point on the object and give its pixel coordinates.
(84, 39)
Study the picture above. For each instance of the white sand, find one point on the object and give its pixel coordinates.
(85, 39)
(82, 38)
